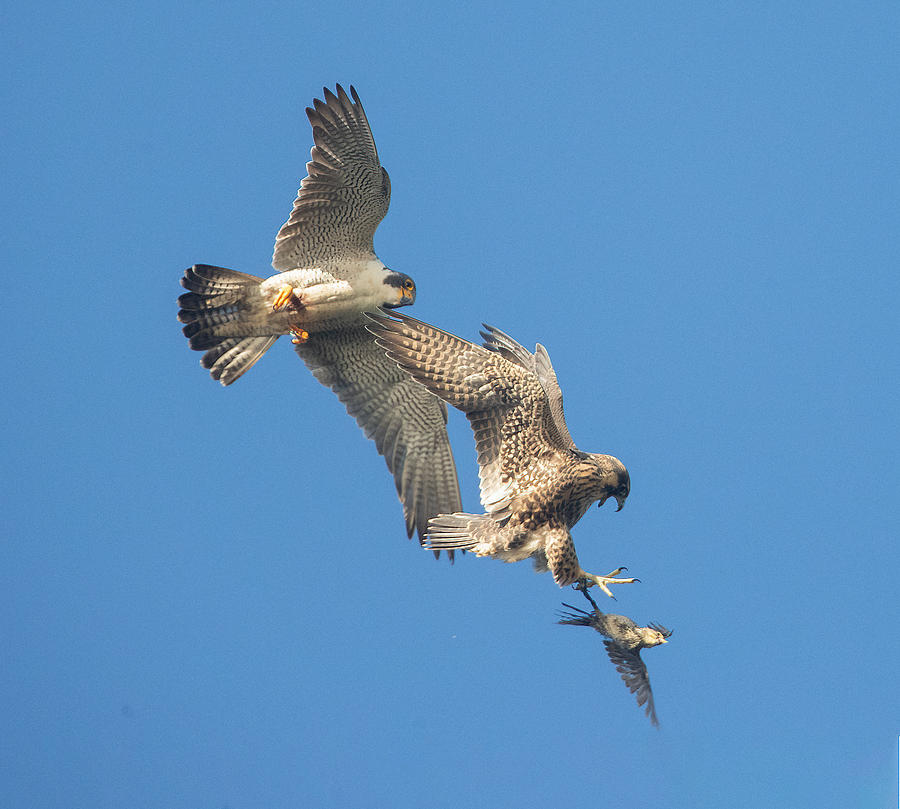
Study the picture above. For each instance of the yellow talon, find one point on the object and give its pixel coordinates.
(300, 335)
(590, 580)
(284, 295)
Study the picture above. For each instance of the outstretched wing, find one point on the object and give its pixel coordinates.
(634, 674)
(345, 194)
(539, 364)
(406, 422)
(503, 401)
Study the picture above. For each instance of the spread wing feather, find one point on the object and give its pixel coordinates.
(345, 194)
(539, 364)
(406, 422)
(504, 401)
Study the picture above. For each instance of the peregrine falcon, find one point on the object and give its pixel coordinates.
(535, 483)
(328, 276)
(625, 639)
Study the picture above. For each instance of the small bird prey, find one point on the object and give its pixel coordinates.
(328, 276)
(625, 639)
(535, 483)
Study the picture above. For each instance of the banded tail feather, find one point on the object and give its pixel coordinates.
(225, 316)
(459, 531)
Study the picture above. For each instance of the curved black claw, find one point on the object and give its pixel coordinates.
(617, 571)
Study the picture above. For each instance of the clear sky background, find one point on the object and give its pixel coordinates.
(208, 598)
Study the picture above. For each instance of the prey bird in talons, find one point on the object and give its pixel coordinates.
(624, 640)
(535, 483)
(327, 276)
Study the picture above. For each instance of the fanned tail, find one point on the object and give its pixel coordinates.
(224, 315)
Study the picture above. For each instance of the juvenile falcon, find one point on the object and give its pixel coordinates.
(328, 275)
(535, 483)
(624, 641)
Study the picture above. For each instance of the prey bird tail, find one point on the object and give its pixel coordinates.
(577, 617)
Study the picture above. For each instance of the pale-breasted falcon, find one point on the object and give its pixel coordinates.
(535, 483)
(625, 639)
(328, 275)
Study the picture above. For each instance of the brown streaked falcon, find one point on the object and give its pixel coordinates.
(328, 276)
(535, 483)
(624, 641)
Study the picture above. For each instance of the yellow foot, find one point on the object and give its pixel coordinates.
(590, 580)
(300, 335)
(284, 295)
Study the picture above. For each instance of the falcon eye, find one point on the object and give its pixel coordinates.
(408, 284)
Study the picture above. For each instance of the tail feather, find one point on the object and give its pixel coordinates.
(458, 531)
(577, 617)
(194, 302)
(232, 358)
(209, 280)
(224, 316)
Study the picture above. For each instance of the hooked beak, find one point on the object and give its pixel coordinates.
(406, 296)
(620, 499)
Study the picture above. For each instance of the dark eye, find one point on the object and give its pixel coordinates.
(408, 284)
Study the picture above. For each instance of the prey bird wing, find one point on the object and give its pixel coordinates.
(345, 194)
(407, 423)
(634, 674)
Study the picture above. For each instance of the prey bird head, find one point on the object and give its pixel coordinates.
(656, 634)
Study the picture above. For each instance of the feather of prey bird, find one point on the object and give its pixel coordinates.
(535, 483)
(327, 276)
(624, 641)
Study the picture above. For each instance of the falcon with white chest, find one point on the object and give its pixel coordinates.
(327, 276)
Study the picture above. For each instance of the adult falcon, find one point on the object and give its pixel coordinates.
(535, 483)
(328, 276)
(624, 641)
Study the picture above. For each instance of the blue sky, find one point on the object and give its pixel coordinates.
(208, 599)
